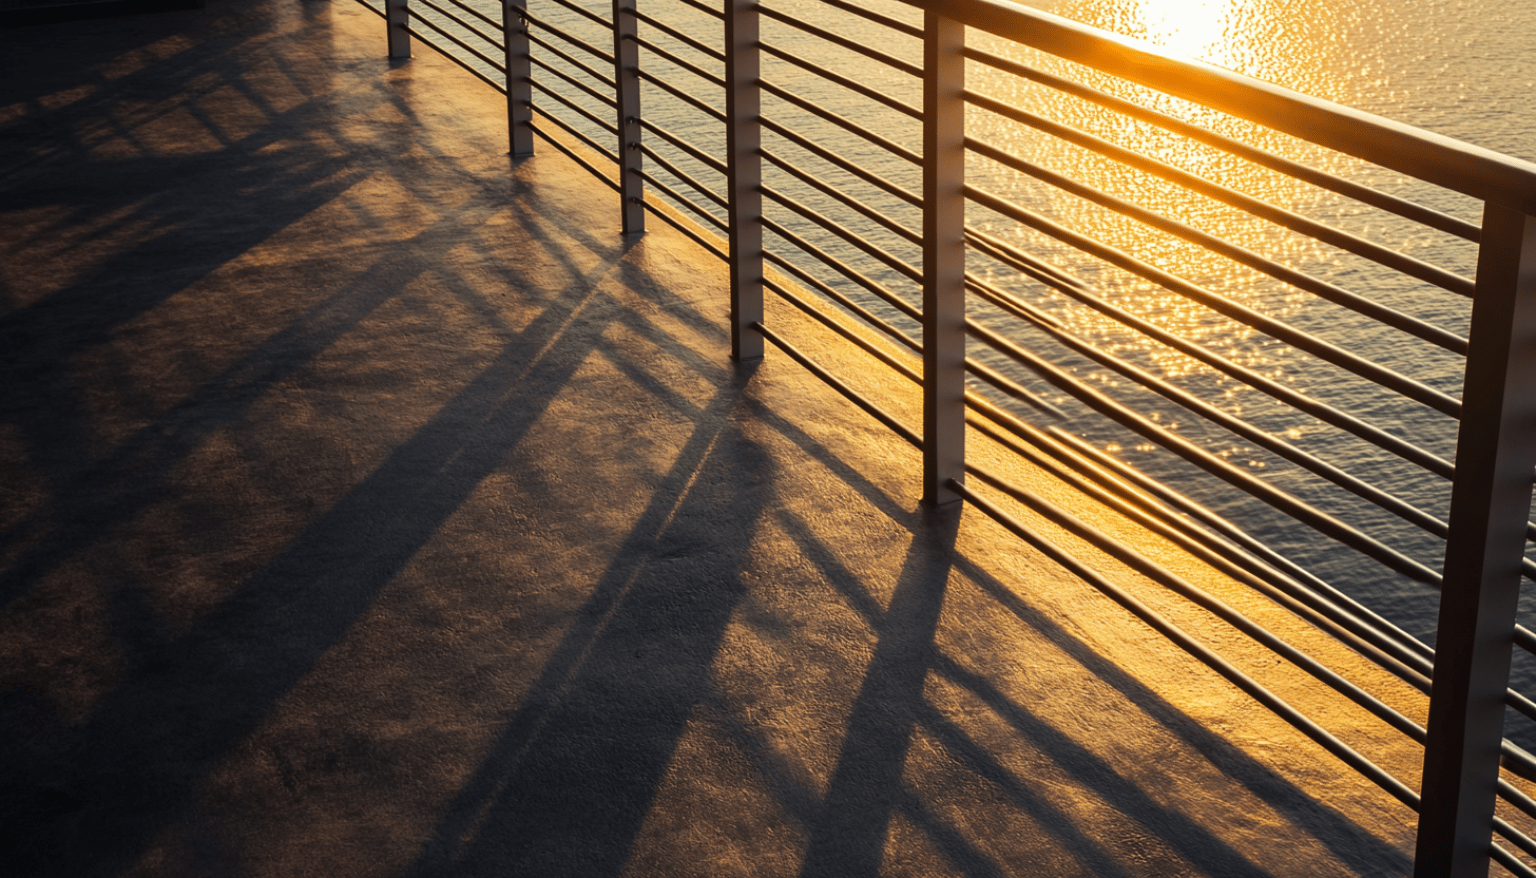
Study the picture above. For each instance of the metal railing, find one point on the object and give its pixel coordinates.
(899, 252)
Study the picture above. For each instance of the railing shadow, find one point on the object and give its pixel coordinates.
(493, 400)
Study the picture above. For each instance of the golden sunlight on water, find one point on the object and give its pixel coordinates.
(1269, 40)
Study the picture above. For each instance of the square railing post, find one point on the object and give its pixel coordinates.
(626, 77)
(514, 33)
(743, 135)
(397, 17)
(1490, 504)
(943, 257)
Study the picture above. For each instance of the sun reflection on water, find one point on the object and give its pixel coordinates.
(1257, 37)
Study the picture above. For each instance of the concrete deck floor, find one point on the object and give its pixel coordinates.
(369, 506)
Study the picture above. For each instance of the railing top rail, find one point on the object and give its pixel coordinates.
(1444, 161)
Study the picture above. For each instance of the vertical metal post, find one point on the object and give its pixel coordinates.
(626, 76)
(1490, 503)
(397, 16)
(743, 136)
(514, 33)
(943, 256)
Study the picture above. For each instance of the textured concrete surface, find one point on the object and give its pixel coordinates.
(369, 506)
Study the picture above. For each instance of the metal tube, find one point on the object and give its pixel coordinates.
(704, 9)
(1417, 212)
(681, 95)
(804, 26)
(682, 63)
(397, 18)
(575, 41)
(943, 258)
(852, 85)
(871, 249)
(438, 29)
(838, 161)
(695, 152)
(1071, 286)
(1490, 502)
(1339, 238)
(744, 174)
(578, 84)
(855, 9)
(626, 60)
(519, 57)
(683, 200)
(696, 45)
(1415, 390)
(571, 154)
(814, 108)
(845, 270)
(834, 192)
(571, 60)
(576, 108)
(682, 175)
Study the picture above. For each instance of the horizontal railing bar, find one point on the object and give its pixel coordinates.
(1354, 631)
(702, 8)
(842, 197)
(1194, 648)
(501, 87)
(848, 393)
(587, 13)
(571, 154)
(804, 26)
(1417, 268)
(1012, 389)
(586, 141)
(856, 338)
(494, 40)
(1509, 861)
(580, 110)
(1514, 796)
(827, 290)
(838, 161)
(882, 255)
(684, 176)
(816, 109)
(844, 269)
(571, 39)
(1326, 351)
(693, 206)
(681, 95)
(1426, 216)
(1078, 290)
(569, 59)
(1258, 488)
(594, 93)
(370, 7)
(667, 217)
(674, 33)
(680, 62)
(485, 18)
(1514, 836)
(1299, 279)
(852, 85)
(1408, 648)
(1434, 158)
(492, 63)
(1213, 415)
(677, 141)
(1158, 573)
(1005, 301)
(910, 30)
